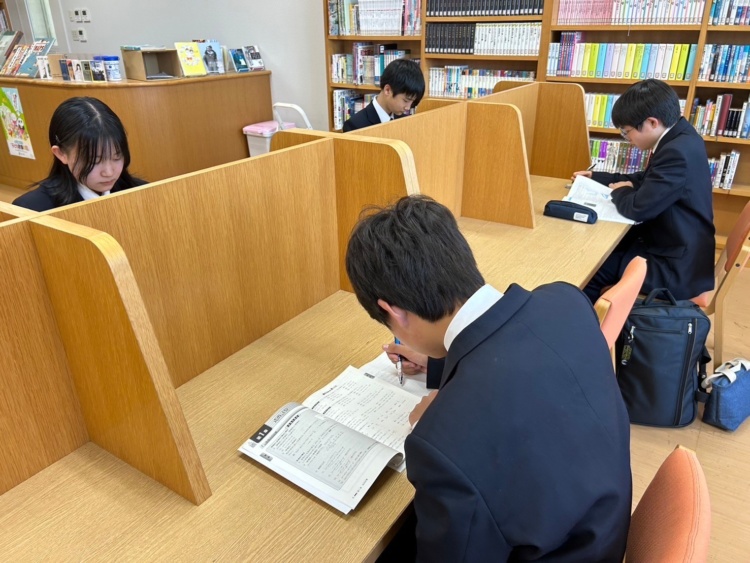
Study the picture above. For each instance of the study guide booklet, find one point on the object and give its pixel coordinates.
(586, 191)
(336, 443)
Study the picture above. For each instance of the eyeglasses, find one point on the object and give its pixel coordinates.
(624, 134)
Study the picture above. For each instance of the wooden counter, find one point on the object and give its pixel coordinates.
(174, 126)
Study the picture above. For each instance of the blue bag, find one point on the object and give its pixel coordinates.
(728, 404)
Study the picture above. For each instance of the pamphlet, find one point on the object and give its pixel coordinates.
(586, 191)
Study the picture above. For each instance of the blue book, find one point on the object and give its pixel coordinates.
(690, 62)
(608, 111)
(645, 61)
(41, 46)
(651, 70)
(601, 58)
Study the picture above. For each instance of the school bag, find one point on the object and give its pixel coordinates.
(660, 358)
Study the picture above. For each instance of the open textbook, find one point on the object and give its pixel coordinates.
(586, 191)
(336, 443)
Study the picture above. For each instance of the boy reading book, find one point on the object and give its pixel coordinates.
(401, 88)
(523, 453)
(671, 199)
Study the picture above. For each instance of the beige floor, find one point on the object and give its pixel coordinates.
(725, 456)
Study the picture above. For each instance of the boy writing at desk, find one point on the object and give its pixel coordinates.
(523, 454)
(671, 198)
(401, 88)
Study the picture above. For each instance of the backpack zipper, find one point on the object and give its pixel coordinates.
(685, 372)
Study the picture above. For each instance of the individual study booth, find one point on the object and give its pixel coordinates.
(237, 272)
(473, 157)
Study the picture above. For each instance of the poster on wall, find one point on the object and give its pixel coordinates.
(14, 124)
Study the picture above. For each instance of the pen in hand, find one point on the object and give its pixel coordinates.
(591, 168)
(400, 365)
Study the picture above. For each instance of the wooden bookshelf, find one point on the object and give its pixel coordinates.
(5, 17)
(699, 34)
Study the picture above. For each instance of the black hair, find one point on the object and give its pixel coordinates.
(404, 77)
(412, 255)
(93, 130)
(644, 99)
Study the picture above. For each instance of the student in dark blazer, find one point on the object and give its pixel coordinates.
(401, 88)
(523, 453)
(671, 198)
(91, 156)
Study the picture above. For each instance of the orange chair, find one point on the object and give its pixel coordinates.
(614, 305)
(672, 522)
(731, 261)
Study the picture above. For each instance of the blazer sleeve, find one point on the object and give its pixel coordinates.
(664, 185)
(453, 522)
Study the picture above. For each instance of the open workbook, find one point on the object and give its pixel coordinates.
(336, 443)
(590, 193)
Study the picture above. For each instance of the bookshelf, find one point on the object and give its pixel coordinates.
(697, 28)
(5, 23)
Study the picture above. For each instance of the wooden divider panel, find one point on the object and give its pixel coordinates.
(40, 417)
(504, 85)
(498, 187)
(126, 395)
(224, 255)
(525, 99)
(8, 212)
(428, 104)
(436, 138)
(561, 142)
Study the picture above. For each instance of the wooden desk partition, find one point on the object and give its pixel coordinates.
(8, 212)
(41, 419)
(213, 250)
(125, 392)
(554, 118)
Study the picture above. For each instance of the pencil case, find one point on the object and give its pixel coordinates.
(570, 211)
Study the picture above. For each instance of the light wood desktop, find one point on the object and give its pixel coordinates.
(173, 126)
(70, 509)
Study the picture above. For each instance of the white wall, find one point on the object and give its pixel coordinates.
(290, 35)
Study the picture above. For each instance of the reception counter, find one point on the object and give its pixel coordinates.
(174, 126)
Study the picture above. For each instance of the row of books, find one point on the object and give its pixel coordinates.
(22, 60)
(76, 69)
(630, 12)
(436, 8)
(208, 56)
(4, 23)
(617, 155)
(374, 17)
(724, 63)
(598, 108)
(8, 40)
(717, 118)
(509, 39)
(729, 12)
(723, 169)
(665, 61)
(369, 68)
(346, 103)
(460, 81)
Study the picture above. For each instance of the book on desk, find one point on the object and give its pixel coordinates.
(336, 443)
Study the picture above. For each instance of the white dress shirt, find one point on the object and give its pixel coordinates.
(382, 114)
(87, 193)
(475, 306)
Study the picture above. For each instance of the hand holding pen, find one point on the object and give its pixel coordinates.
(412, 363)
(400, 365)
(588, 173)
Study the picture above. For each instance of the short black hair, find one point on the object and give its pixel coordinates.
(404, 77)
(644, 99)
(412, 255)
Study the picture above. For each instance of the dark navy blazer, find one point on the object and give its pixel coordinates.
(524, 453)
(672, 200)
(40, 198)
(363, 118)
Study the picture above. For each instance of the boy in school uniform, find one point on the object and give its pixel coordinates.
(671, 199)
(523, 453)
(401, 88)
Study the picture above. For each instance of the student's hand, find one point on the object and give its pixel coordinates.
(413, 362)
(625, 184)
(422, 405)
(584, 173)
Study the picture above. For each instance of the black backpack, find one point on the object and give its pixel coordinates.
(660, 356)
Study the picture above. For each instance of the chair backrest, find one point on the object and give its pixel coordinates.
(672, 521)
(285, 113)
(734, 257)
(614, 306)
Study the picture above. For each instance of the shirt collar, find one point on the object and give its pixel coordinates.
(382, 114)
(476, 306)
(660, 138)
(87, 193)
